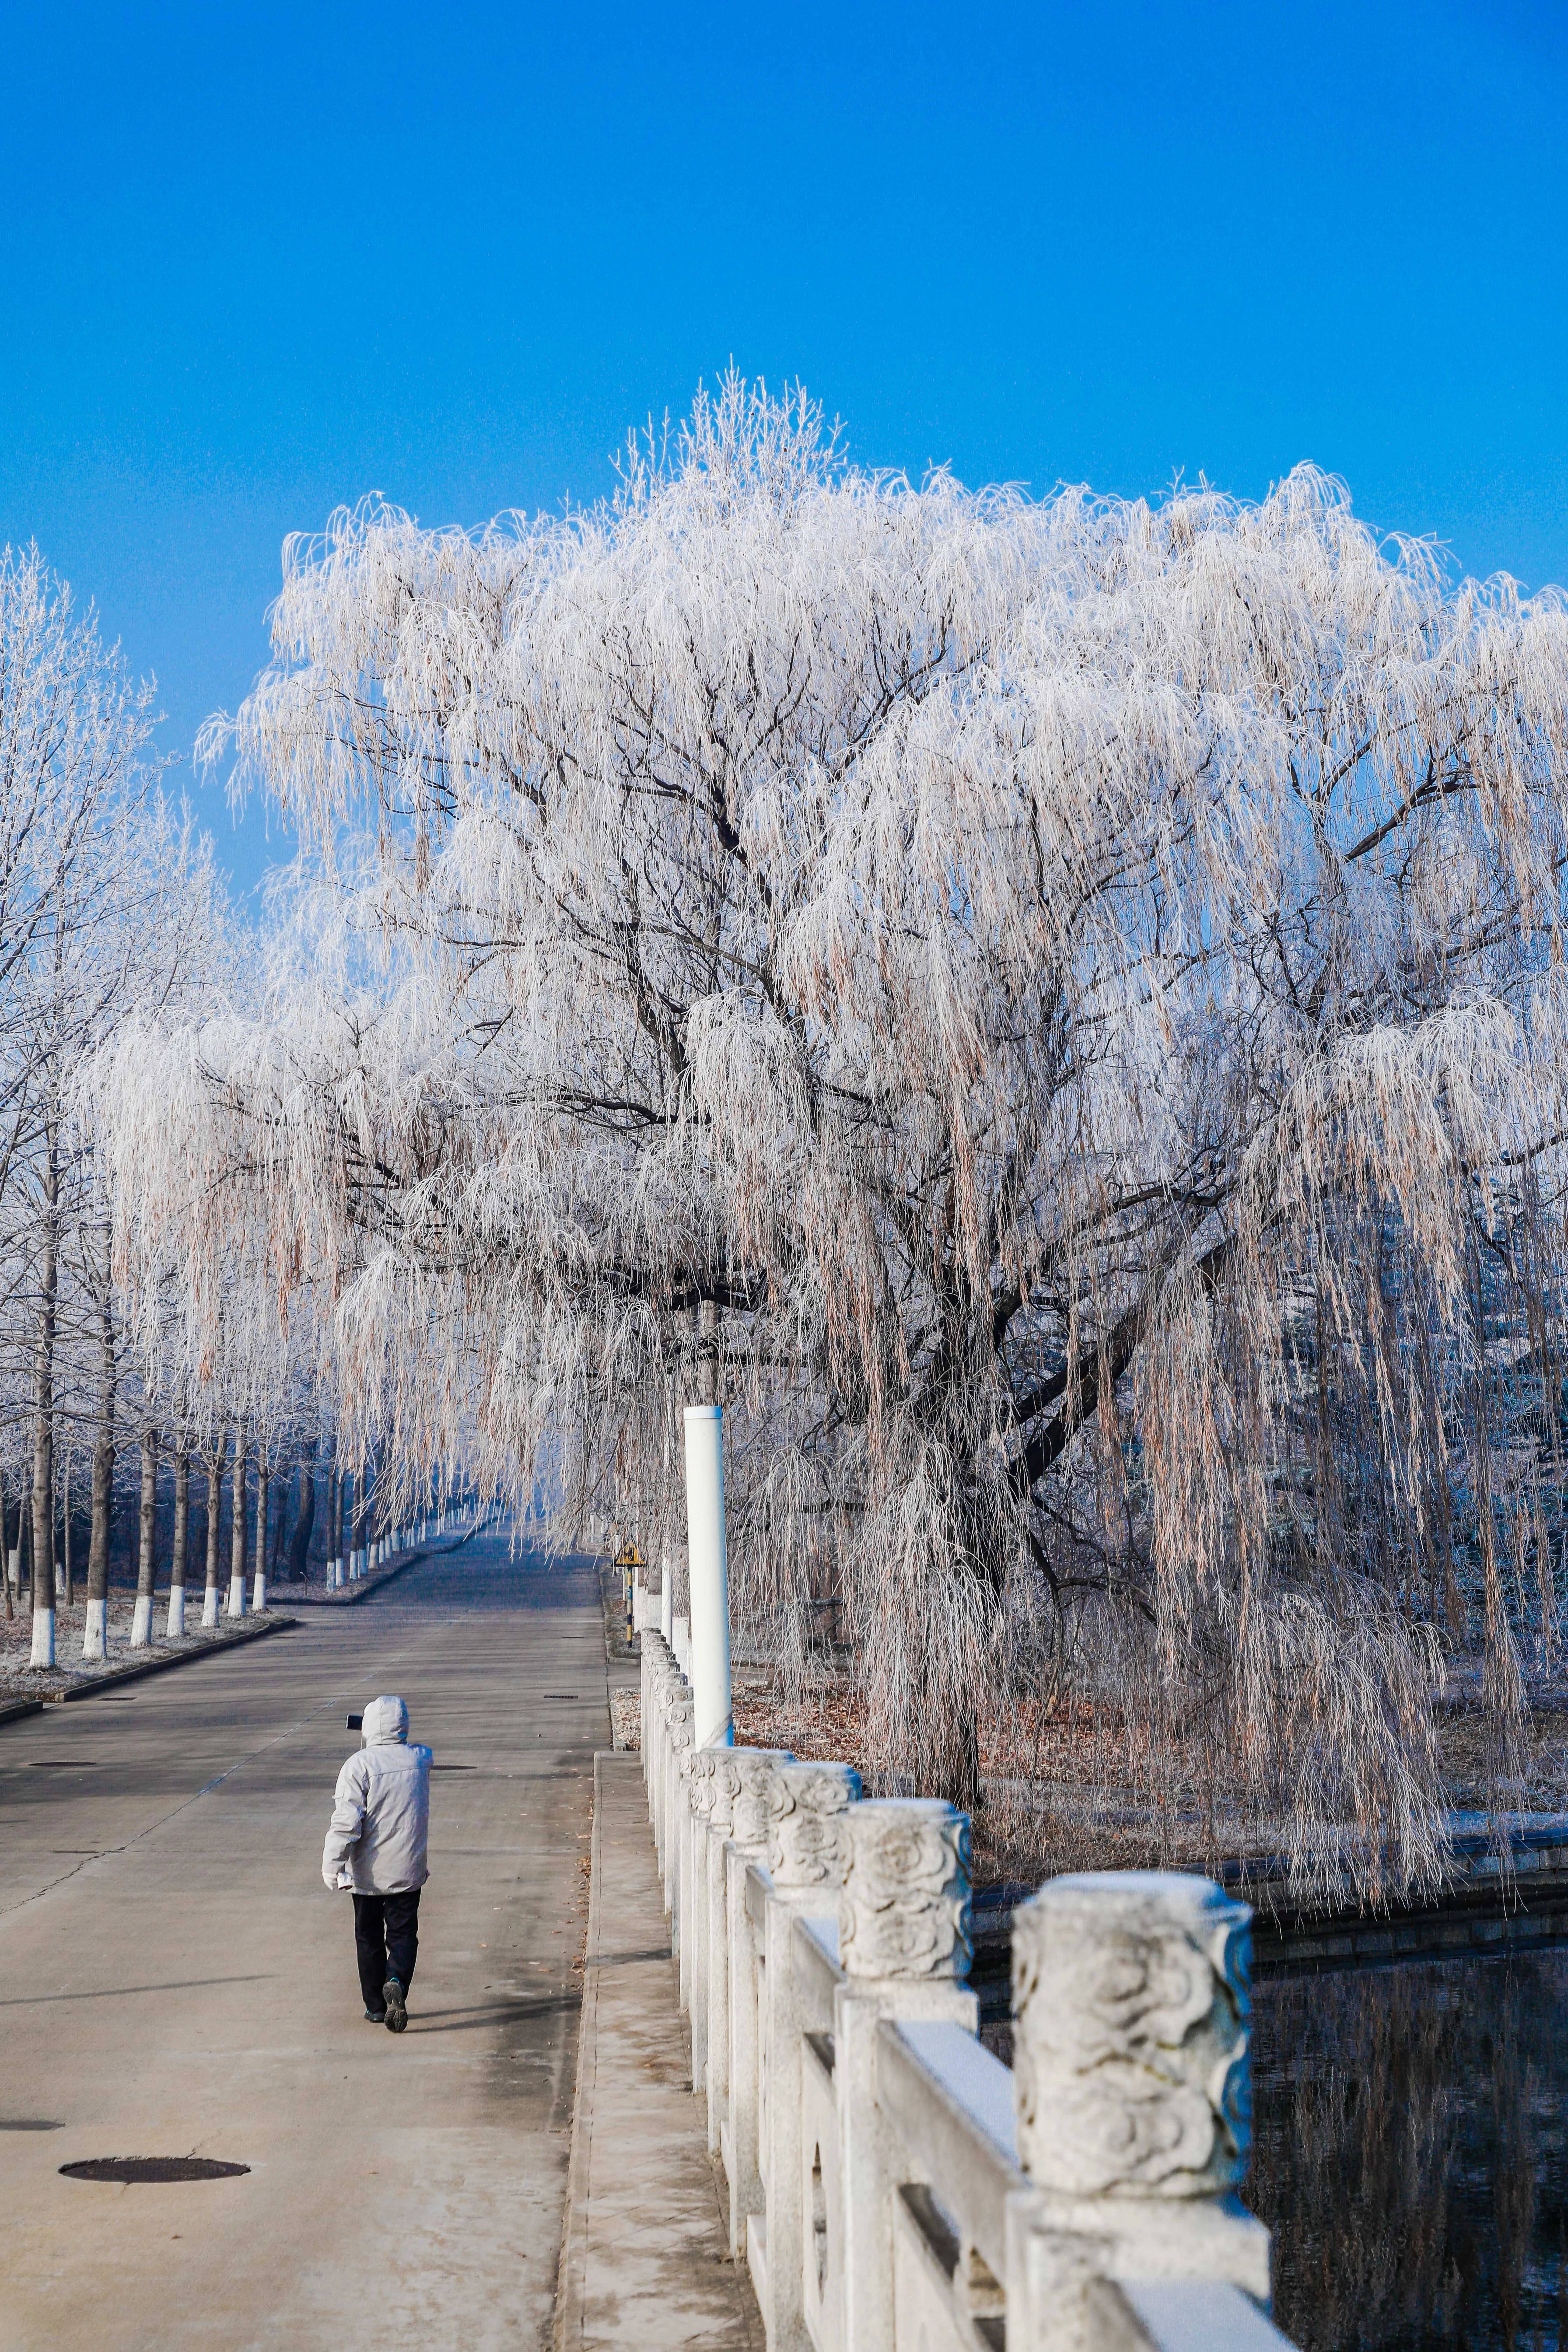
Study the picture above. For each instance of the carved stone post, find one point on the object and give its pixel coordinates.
(678, 1840)
(904, 1946)
(648, 1683)
(665, 1690)
(668, 1690)
(655, 1759)
(669, 1778)
(1131, 2071)
(808, 1860)
(700, 1794)
(657, 1684)
(726, 1786)
(652, 1683)
(673, 1692)
(747, 1851)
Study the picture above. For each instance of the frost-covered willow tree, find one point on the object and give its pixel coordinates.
(1056, 1008)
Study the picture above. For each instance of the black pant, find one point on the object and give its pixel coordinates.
(386, 1941)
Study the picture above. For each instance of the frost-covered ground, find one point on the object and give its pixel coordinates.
(20, 1680)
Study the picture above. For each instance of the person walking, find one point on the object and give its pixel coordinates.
(375, 1849)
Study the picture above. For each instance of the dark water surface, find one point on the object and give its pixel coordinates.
(1411, 2153)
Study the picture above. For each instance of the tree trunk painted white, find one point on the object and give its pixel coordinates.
(43, 1531)
(238, 1531)
(94, 1627)
(175, 1623)
(215, 1535)
(146, 1557)
(709, 1569)
(259, 1577)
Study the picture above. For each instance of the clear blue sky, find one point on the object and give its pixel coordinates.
(256, 261)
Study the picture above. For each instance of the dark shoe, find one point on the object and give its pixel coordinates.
(375, 2016)
(396, 2008)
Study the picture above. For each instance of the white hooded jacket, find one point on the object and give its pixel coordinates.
(380, 1815)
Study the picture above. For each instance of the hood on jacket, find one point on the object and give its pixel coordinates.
(386, 1723)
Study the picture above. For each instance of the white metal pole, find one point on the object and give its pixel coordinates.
(708, 1565)
(667, 1598)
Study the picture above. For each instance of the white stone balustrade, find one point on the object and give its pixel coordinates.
(892, 2186)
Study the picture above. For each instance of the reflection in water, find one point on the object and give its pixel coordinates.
(1412, 2156)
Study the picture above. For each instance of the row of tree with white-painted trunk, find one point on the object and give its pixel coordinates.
(368, 1558)
(158, 1420)
(232, 1559)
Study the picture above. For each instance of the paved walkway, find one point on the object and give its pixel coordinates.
(646, 2263)
(174, 1980)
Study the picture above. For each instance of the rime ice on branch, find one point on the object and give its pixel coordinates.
(1055, 1010)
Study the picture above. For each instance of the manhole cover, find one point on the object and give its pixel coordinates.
(454, 1768)
(152, 2167)
(63, 1763)
(28, 2123)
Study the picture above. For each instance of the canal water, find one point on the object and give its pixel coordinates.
(1411, 2153)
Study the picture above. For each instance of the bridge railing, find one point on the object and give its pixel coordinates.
(893, 2186)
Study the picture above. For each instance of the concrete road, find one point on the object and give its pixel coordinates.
(175, 1981)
